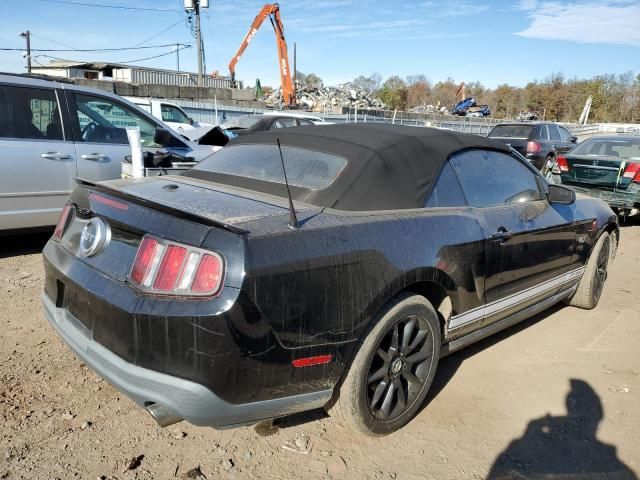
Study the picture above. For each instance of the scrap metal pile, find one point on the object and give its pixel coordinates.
(430, 109)
(527, 115)
(329, 99)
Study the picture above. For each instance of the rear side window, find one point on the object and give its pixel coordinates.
(305, 168)
(492, 178)
(511, 131)
(544, 132)
(564, 133)
(447, 192)
(29, 113)
(554, 133)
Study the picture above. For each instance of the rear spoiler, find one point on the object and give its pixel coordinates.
(162, 208)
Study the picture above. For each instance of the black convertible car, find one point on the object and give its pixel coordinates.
(209, 297)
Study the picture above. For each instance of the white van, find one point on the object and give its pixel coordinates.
(168, 112)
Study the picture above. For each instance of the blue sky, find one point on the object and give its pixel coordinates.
(468, 40)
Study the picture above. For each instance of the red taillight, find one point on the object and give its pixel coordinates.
(633, 172)
(108, 201)
(170, 268)
(309, 361)
(62, 222)
(533, 147)
(142, 263)
(174, 269)
(208, 276)
(563, 164)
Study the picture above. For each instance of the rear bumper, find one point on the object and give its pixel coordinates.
(617, 200)
(536, 160)
(188, 400)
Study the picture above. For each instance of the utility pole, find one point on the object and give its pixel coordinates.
(295, 73)
(178, 57)
(196, 6)
(27, 36)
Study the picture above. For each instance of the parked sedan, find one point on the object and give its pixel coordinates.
(51, 132)
(212, 297)
(540, 143)
(606, 168)
(262, 123)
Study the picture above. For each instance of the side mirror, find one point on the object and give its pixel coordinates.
(163, 137)
(561, 194)
(574, 139)
(191, 121)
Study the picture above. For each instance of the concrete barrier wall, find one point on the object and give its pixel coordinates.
(240, 97)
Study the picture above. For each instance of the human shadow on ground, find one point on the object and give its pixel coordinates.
(563, 447)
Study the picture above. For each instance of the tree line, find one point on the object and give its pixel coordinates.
(615, 98)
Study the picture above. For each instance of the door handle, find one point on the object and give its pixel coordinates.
(502, 235)
(56, 156)
(95, 157)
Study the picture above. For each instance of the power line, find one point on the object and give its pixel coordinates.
(120, 7)
(160, 32)
(92, 49)
(184, 47)
(158, 56)
(52, 41)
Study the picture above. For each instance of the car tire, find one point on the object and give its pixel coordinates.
(393, 369)
(591, 284)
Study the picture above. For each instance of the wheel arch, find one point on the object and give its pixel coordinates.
(432, 283)
(612, 228)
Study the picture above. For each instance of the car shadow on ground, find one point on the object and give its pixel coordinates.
(563, 446)
(450, 364)
(24, 244)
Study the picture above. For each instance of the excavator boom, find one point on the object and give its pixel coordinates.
(272, 11)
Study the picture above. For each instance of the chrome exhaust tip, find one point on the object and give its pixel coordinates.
(162, 415)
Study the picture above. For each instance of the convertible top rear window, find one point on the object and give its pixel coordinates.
(305, 168)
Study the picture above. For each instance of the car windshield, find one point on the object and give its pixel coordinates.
(629, 149)
(173, 114)
(305, 168)
(511, 131)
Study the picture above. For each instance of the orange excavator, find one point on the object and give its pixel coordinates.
(272, 11)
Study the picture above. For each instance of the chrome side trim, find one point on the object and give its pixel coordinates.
(492, 308)
(35, 194)
(492, 328)
(596, 167)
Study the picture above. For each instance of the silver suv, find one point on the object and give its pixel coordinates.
(52, 132)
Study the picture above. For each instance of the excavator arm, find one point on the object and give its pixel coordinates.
(273, 12)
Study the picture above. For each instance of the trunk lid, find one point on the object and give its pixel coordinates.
(601, 171)
(164, 207)
(211, 204)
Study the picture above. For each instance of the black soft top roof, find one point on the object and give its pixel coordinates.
(389, 166)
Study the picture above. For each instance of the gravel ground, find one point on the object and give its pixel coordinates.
(555, 397)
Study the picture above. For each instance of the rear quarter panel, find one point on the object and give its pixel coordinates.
(323, 283)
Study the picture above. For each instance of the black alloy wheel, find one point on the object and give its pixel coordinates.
(589, 290)
(393, 369)
(399, 368)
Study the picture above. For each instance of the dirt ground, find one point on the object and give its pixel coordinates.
(557, 396)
